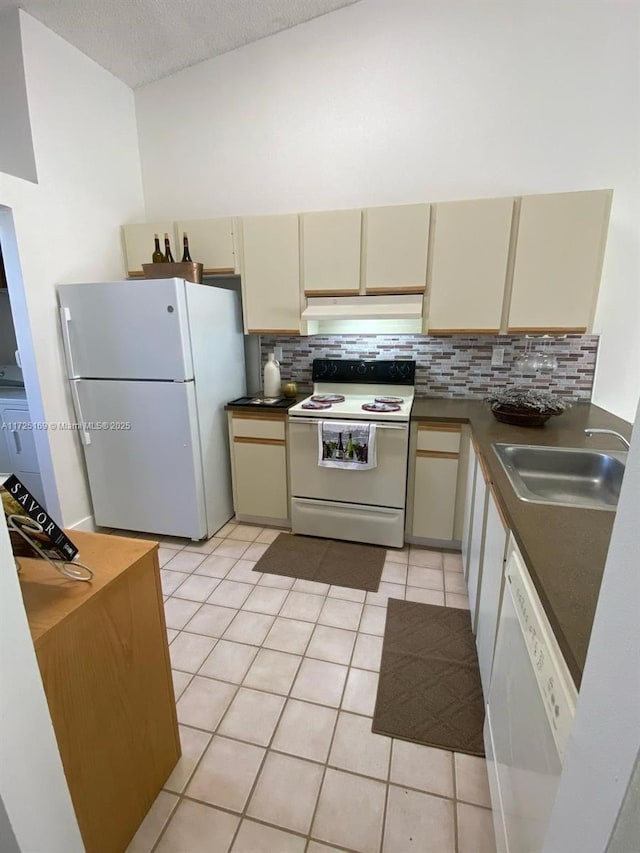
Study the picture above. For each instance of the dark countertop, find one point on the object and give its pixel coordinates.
(565, 549)
(248, 407)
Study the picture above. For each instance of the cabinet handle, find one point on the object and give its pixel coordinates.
(16, 440)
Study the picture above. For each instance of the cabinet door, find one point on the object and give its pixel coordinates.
(468, 507)
(139, 244)
(469, 265)
(210, 243)
(436, 475)
(20, 442)
(558, 261)
(271, 274)
(259, 468)
(331, 252)
(495, 546)
(476, 543)
(395, 243)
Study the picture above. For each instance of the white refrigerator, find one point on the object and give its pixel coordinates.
(151, 364)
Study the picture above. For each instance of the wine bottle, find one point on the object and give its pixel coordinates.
(340, 448)
(185, 248)
(167, 248)
(350, 449)
(157, 257)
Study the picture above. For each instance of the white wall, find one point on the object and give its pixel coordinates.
(390, 102)
(605, 739)
(16, 146)
(67, 225)
(33, 789)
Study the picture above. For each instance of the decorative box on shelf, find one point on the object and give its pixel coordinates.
(189, 270)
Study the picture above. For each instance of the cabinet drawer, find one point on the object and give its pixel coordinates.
(258, 428)
(440, 438)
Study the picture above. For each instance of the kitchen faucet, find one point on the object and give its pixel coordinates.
(608, 432)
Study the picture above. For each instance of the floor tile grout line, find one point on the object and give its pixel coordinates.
(338, 710)
(333, 737)
(268, 747)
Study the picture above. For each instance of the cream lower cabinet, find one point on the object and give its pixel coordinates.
(259, 467)
(496, 537)
(435, 480)
(476, 540)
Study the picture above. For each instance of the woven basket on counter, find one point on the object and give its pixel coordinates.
(189, 270)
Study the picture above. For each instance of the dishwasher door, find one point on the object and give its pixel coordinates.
(529, 715)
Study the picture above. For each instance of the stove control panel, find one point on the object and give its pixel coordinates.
(382, 372)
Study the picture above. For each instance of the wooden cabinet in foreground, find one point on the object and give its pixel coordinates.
(259, 467)
(435, 481)
(270, 270)
(470, 252)
(103, 656)
(558, 261)
(395, 243)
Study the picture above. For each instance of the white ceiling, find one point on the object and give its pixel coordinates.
(144, 40)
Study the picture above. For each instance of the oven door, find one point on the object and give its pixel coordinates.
(382, 486)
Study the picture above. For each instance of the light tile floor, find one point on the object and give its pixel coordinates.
(275, 683)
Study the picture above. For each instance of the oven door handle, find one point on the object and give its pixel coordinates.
(297, 420)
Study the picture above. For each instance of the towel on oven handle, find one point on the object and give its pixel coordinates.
(351, 446)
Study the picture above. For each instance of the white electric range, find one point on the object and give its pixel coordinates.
(357, 502)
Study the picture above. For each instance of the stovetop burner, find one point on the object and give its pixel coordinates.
(381, 407)
(315, 404)
(328, 398)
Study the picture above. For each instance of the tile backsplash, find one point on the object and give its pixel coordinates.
(448, 365)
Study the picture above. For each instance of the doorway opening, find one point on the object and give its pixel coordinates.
(24, 448)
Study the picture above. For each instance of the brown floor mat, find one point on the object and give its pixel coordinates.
(429, 690)
(348, 564)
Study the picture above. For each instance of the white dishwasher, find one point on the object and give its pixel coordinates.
(530, 712)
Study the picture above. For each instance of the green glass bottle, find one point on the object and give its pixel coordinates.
(157, 257)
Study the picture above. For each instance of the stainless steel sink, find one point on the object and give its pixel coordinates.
(566, 476)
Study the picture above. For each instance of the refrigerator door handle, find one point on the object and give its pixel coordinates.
(65, 316)
(85, 436)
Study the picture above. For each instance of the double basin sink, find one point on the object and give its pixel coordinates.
(564, 476)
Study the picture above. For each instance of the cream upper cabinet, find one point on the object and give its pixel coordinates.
(395, 243)
(558, 261)
(210, 243)
(139, 244)
(330, 252)
(270, 269)
(470, 252)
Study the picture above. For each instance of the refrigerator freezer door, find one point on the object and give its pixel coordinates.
(126, 330)
(147, 477)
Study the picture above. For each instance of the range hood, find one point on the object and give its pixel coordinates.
(362, 314)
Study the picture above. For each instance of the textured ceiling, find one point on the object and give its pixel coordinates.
(144, 40)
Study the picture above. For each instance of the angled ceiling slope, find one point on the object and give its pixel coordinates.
(140, 41)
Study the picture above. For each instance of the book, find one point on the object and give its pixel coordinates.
(18, 500)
